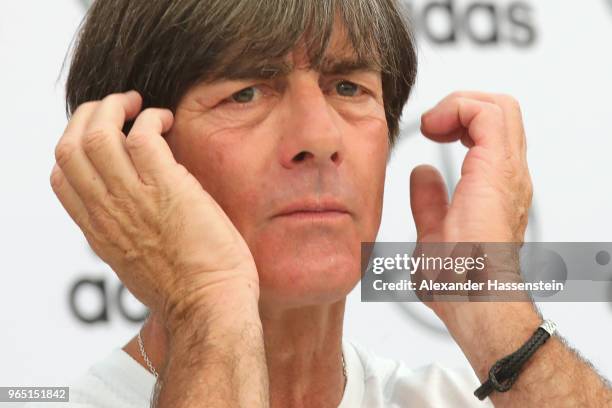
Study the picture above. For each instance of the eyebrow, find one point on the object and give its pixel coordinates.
(338, 66)
(264, 70)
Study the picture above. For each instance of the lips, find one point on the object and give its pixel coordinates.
(314, 208)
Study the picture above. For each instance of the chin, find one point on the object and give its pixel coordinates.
(294, 273)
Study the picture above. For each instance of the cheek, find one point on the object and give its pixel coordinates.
(374, 155)
(368, 146)
(236, 164)
(366, 132)
(225, 164)
(367, 155)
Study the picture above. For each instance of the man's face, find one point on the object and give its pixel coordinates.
(298, 164)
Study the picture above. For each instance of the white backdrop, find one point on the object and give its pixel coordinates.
(554, 56)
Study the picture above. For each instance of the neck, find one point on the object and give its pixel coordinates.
(303, 352)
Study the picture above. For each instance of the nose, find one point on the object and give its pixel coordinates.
(311, 132)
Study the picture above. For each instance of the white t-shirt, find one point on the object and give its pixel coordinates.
(118, 381)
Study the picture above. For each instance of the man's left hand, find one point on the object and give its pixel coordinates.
(493, 196)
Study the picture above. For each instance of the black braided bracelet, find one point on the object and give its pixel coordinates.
(505, 371)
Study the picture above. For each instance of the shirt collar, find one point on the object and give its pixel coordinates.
(353, 393)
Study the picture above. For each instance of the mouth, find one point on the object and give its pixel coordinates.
(314, 210)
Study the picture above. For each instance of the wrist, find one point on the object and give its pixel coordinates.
(214, 304)
(488, 319)
(487, 331)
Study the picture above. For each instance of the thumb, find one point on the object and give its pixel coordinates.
(428, 200)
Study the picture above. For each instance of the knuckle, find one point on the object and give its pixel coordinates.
(112, 98)
(93, 141)
(181, 170)
(97, 211)
(461, 101)
(136, 140)
(99, 218)
(456, 94)
(181, 174)
(152, 113)
(149, 112)
(510, 101)
(120, 206)
(86, 106)
(56, 178)
(509, 98)
(64, 151)
(81, 218)
(127, 188)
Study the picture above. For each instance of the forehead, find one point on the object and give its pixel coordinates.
(335, 54)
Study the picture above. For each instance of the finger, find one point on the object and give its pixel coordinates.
(104, 142)
(460, 134)
(428, 200)
(69, 198)
(512, 112)
(71, 159)
(483, 121)
(80, 118)
(115, 109)
(147, 148)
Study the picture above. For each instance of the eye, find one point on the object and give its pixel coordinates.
(346, 88)
(245, 95)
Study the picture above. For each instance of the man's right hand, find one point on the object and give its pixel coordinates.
(144, 214)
